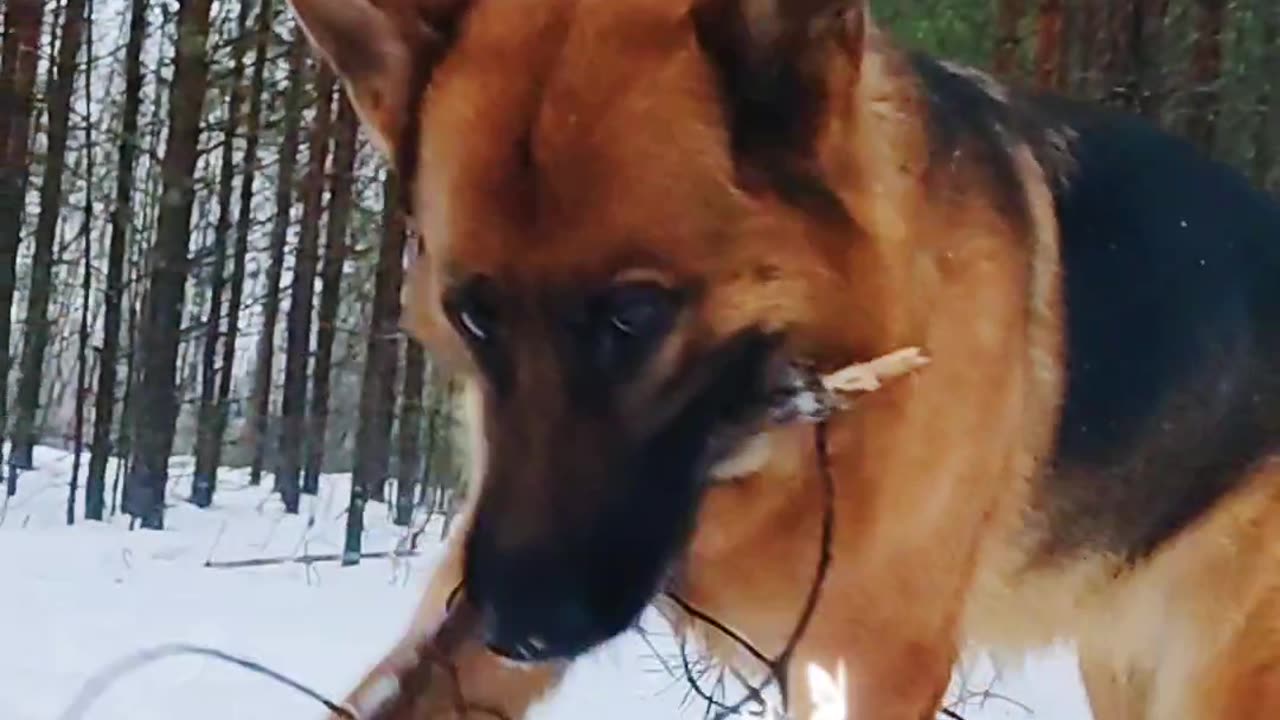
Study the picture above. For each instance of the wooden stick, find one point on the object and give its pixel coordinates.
(870, 375)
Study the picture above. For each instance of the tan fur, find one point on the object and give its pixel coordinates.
(936, 533)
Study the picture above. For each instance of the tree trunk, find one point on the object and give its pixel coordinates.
(1090, 28)
(1117, 70)
(19, 57)
(36, 328)
(160, 336)
(293, 401)
(264, 371)
(1009, 16)
(1206, 73)
(415, 370)
(209, 430)
(1147, 57)
(140, 266)
(121, 225)
(373, 434)
(86, 278)
(262, 37)
(1051, 45)
(1267, 133)
(335, 256)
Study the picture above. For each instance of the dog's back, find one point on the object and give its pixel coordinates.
(1171, 279)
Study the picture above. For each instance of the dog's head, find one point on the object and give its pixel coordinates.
(630, 223)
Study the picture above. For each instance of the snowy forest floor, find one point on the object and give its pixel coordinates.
(77, 599)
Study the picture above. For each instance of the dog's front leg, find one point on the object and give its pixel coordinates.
(844, 673)
(469, 684)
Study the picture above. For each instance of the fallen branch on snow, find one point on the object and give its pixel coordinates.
(305, 559)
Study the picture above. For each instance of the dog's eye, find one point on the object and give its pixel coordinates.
(472, 308)
(641, 310)
(472, 326)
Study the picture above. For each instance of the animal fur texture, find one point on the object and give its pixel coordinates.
(634, 211)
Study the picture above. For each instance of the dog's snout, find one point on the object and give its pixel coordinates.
(537, 627)
(536, 609)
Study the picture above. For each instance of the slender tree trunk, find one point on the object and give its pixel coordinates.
(140, 268)
(1119, 83)
(262, 37)
(36, 341)
(373, 434)
(1206, 73)
(1267, 133)
(1090, 27)
(209, 430)
(415, 371)
(154, 429)
(335, 256)
(1147, 57)
(428, 479)
(264, 370)
(140, 291)
(293, 401)
(1009, 16)
(124, 440)
(19, 57)
(86, 278)
(1050, 45)
(121, 225)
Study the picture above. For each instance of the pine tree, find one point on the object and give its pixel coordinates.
(415, 371)
(122, 220)
(336, 250)
(293, 401)
(19, 57)
(86, 280)
(37, 319)
(208, 434)
(373, 434)
(160, 333)
(264, 370)
(1206, 73)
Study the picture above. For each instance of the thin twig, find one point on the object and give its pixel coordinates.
(99, 683)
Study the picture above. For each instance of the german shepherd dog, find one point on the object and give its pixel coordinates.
(634, 212)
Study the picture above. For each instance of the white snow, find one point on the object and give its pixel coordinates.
(74, 600)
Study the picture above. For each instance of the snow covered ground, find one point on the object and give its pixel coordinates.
(73, 600)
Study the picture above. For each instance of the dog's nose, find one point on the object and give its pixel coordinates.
(538, 629)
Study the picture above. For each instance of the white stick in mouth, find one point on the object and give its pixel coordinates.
(869, 376)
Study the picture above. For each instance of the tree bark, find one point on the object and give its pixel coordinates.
(1148, 65)
(19, 57)
(1051, 49)
(415, 370)
(86, 278)
(209, 430)
(23, 437)
(264, 370)
(1009, 14)
(253, 123)
(1267, 133)
(160, 336)
(373, 434)
(121, 225)
(1206, 73)
(336, 250)
(293, 401)
(1090, 28)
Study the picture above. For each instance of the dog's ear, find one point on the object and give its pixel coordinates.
(384, 52)
(771, 56)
